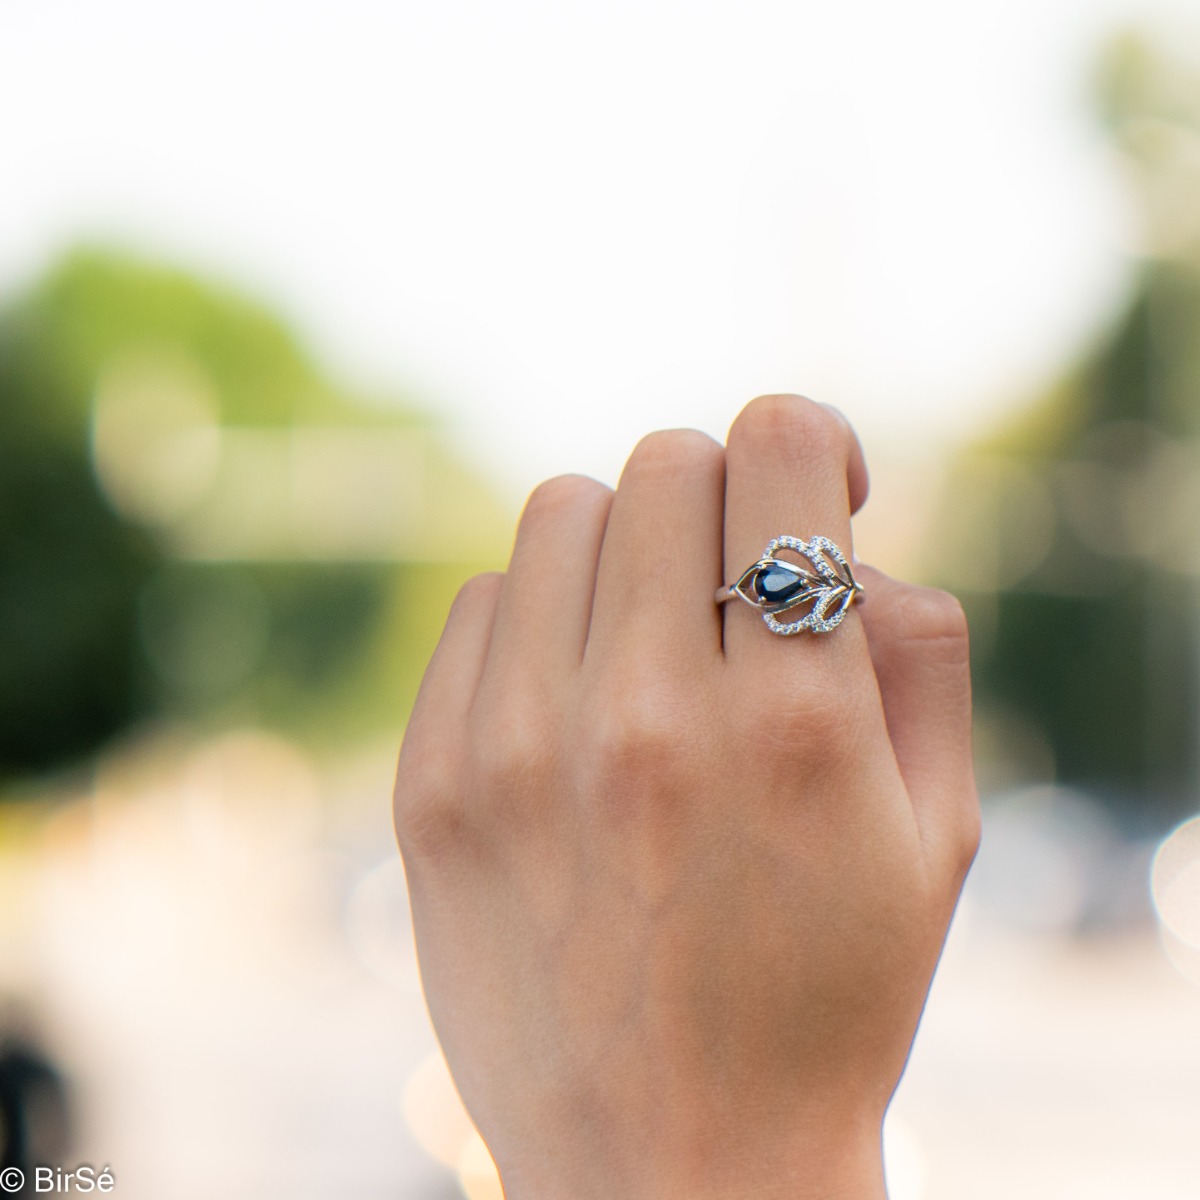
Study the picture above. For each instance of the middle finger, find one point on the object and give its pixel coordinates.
(661, 559)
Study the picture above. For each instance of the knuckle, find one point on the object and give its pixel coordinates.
(672, 452)
(637, 737)
(794, 426)
(812, 723)
(427, 801)
(563, 494)
(513, 749)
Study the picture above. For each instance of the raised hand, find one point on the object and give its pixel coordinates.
(679, 885)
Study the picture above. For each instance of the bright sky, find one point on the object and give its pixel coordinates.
(562, 224)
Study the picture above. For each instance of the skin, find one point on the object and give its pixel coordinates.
(679, 885)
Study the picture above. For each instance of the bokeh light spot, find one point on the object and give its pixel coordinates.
(477, 1174)
(156, 444)
(204, 633)
(379, 930)
(1175, 883)
(434, 1112)
(904, 1161)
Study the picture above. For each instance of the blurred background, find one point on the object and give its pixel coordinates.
(296, 304)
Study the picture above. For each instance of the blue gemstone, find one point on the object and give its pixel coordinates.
(775, 584)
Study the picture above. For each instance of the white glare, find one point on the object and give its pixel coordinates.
(1175, 883)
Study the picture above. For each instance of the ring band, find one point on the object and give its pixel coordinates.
(774, 585)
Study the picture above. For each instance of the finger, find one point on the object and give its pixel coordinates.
(918, 642)
(452, 678)
(436, 729)
(793, 468)
(546, 601)
(661, 560)
(858, 483)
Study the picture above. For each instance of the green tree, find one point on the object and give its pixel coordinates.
(1075, 535)
(196, 524)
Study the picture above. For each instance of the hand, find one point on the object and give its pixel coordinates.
(679, 885)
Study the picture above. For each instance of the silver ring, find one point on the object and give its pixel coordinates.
(775, 585)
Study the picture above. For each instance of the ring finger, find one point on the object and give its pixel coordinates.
(793, 468)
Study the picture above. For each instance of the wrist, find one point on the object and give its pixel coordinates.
(827, 1160)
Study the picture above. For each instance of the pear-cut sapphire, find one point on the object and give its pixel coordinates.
(778, 583)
